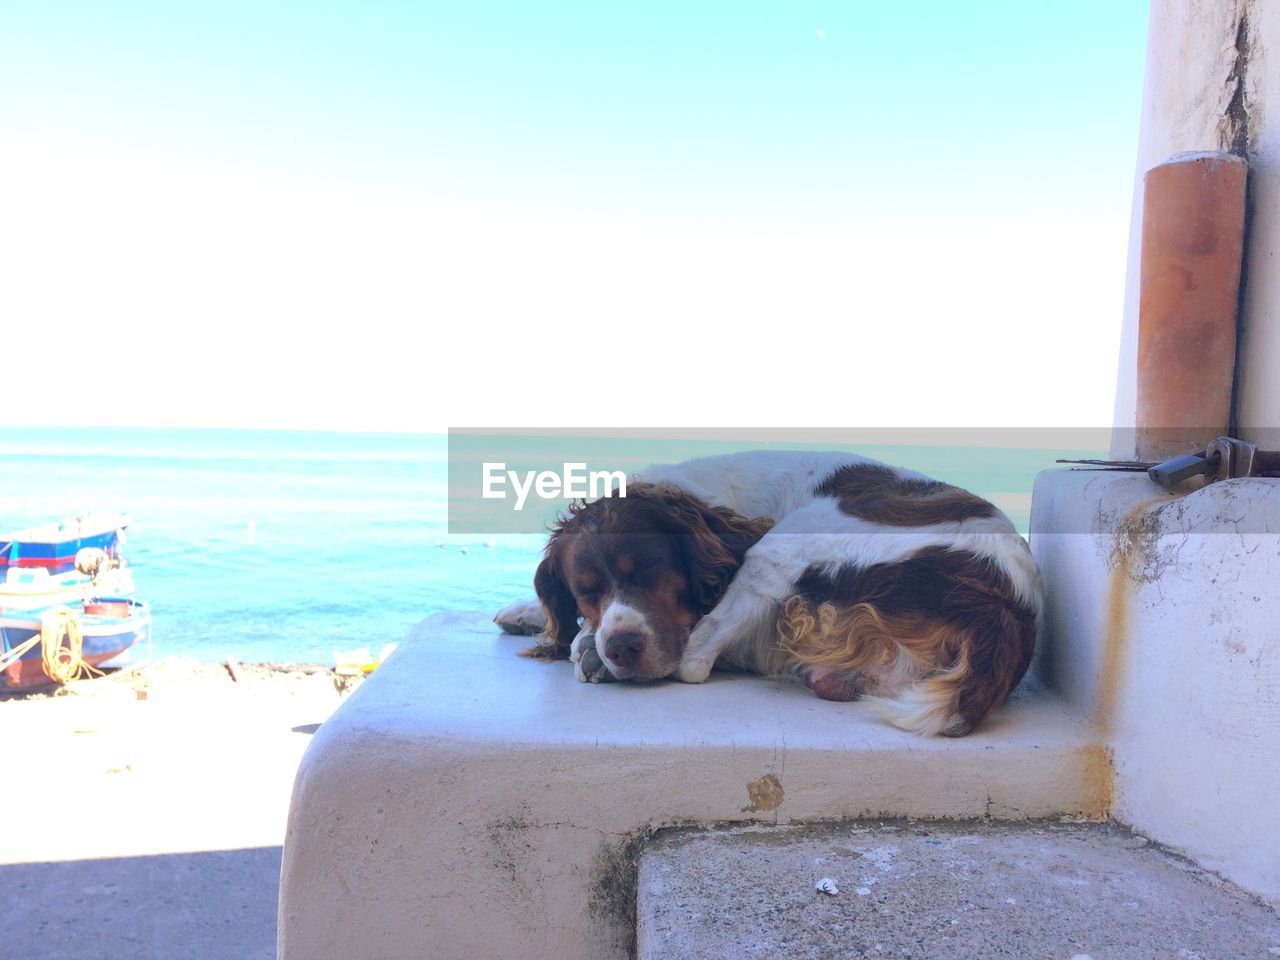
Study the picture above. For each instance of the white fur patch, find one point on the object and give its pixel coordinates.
(522, 617)
(917, 710)
(585, 636)
(619, 617)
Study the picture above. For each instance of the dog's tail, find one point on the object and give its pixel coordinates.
(925, 676)
(929, 707)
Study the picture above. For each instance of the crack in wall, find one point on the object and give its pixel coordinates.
(1234, 130)
(1236, 135)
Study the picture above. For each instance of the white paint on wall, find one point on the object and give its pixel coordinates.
(1161, 625)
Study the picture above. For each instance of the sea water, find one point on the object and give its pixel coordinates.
(286, 546)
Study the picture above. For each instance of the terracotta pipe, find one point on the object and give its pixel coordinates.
(1192, 247)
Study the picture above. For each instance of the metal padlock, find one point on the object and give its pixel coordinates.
(1180, 469)
(1225, 459)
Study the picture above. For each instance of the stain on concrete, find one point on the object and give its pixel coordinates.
(1137, 557)
(510, 846)
(765, 794)
(615, 886)
(1099, 774)
(1134, 549)
(615, 872)
(1135, 545)
(1114, 650)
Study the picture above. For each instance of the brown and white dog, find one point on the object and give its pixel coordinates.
(860, 579)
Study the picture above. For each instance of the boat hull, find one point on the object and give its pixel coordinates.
(35, 589)
(104, 639)
(54, 547)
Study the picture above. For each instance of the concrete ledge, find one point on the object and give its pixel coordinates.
(1162, 618)
(938, 891)
(470, 803)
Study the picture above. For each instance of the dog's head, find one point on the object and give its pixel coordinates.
(641, 570)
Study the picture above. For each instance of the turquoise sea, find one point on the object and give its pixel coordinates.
(272, 546)
(283, 546)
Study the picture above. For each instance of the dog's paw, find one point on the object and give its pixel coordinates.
(591, 669)
(585, 639)
(839, 685)
(523, 618)
(694, 670)
(587, 665)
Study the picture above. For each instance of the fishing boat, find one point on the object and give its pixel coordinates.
(64, 604)
(64, 562)
(64, 642)
(40, 647)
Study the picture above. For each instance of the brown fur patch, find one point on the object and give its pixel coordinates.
(672, 553)
(859, 638)
(545, 650)
(953, 613)
(875, 493)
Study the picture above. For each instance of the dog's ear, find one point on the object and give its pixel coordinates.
(714, 541)
(557, 602)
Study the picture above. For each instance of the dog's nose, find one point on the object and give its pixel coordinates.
(624, 649)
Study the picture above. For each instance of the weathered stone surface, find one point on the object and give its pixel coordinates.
(939, 890)
(1160, 619)
(467, 802)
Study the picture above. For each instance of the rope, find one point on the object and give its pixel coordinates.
(62, 662)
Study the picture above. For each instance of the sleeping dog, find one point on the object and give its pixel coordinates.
(863, 581)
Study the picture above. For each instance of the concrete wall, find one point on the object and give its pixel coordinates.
(1162, 619)
(1258, 377)
(1163, 616)
(1212, 67)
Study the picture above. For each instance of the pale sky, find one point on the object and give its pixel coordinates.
(386, 218)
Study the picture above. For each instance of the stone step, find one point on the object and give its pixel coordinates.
(944, 890)
(468, 802)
